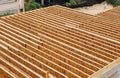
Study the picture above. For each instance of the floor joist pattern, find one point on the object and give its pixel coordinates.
(58, 40)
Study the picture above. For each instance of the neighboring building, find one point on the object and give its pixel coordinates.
(59, 42)
(6, 1)
(8, 6)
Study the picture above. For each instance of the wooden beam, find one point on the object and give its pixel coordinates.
(23, 4)
(47, 74)
(42, 2)
(18, 6)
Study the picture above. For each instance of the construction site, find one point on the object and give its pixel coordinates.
(59, 42)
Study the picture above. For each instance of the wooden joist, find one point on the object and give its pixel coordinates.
(58, 42)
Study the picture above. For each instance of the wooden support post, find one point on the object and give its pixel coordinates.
(23, 7)
(47, 74)
(42, 2)
(23, 4)
(18, 6)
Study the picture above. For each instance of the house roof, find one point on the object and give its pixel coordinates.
(60, 41)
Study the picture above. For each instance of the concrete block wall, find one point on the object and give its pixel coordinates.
(6, 1)
(113, 73)
(8, 7)
(9, 12)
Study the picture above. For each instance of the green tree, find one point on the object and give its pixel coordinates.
(75, 2)
(32, 5)
(114, 2)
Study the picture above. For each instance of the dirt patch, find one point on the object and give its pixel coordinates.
(95, 9)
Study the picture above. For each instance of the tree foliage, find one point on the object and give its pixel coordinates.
(82, 2)
(114, 2)
(75, 2)
(32, 5)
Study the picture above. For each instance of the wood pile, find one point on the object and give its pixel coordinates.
(58, 42)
